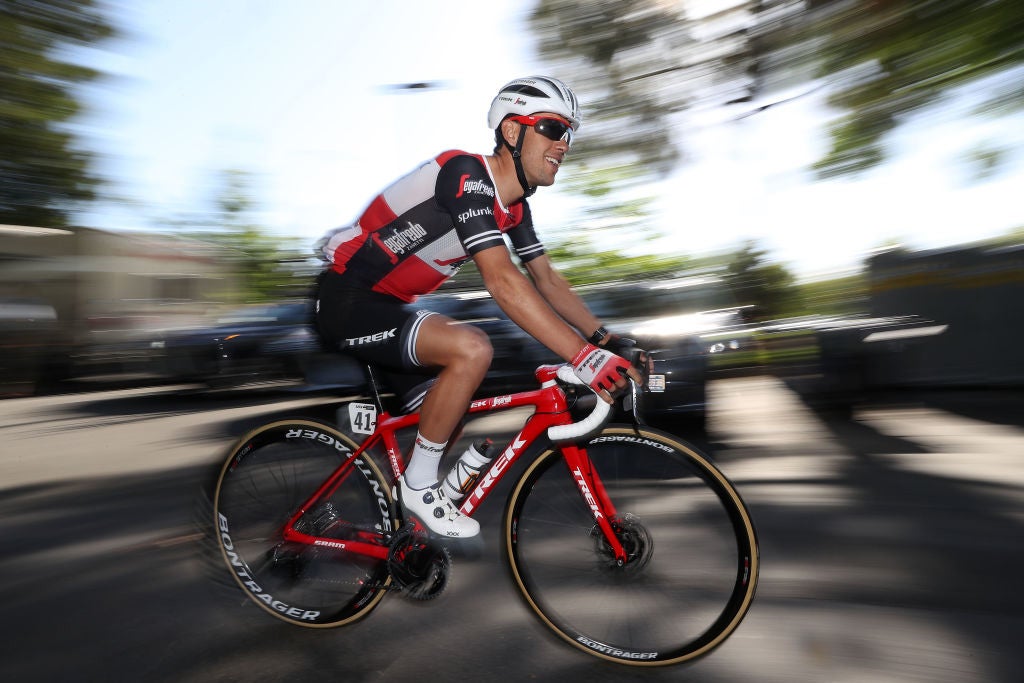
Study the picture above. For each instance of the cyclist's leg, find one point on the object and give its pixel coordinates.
(463, 353)
(397, 338)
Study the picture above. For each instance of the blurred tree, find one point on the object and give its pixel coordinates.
(43, 176)
(581, 263)
(270, 267)
(843, 295)
(606, 49)
(638, 62)
(768, 287)
(609, 51)
(883, 60)
(1013, 238)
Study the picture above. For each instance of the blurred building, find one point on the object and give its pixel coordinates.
(83, 301)
(976, 292)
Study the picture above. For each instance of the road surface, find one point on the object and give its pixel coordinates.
(891, 545)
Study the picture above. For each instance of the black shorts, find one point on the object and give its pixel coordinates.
(375, 328)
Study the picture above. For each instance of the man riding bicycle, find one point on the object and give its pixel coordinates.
(415, 234)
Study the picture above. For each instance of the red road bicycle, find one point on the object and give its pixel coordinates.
(625, 541)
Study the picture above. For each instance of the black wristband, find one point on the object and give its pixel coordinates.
(599, 334)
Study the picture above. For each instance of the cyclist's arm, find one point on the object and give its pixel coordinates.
(523, 304)
(561, 296)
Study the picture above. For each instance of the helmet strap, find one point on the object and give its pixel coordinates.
(517, 160)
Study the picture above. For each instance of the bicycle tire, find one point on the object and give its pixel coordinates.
(694, 572)
(266, 477)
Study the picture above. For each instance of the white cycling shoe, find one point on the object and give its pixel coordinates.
(432, 507)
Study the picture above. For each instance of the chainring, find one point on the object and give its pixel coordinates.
(419, 566)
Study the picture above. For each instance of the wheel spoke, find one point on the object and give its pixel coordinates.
(684, 527)
(264, 482)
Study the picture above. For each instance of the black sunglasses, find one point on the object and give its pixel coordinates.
(548, 126)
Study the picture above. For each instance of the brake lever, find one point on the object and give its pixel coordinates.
(632, 402)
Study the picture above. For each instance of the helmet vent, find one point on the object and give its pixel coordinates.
(526, 90)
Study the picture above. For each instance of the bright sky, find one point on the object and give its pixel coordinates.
(296, 94)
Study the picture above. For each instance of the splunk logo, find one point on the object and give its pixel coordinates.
(467, 186)
(473, 213)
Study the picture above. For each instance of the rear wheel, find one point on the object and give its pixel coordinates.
(692, 559)
(268, 475)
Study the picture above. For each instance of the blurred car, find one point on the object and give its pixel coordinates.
(32, 347)
(681, 322)
(856, 355)
(260, 343)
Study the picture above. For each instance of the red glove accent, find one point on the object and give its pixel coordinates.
(599, 368)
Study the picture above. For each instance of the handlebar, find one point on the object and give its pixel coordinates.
(591, 422)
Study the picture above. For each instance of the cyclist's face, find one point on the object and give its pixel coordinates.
(542, 156)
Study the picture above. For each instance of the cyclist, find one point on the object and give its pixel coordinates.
(415, 234)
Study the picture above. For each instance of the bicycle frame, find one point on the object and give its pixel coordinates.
(551, 410)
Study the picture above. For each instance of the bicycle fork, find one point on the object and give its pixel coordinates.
(593, 492)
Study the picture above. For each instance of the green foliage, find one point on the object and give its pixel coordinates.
(581, 264)
(886, 60)
(636, 63)
(604, 49)
(268, 267)
(43, 176)
(841, 296)
(768, 288)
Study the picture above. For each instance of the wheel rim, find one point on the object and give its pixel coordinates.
(664, 606)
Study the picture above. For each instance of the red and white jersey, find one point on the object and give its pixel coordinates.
(418, 232)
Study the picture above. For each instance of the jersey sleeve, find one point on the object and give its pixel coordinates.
(524, 238)
(464, 190)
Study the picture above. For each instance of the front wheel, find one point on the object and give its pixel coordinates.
(691, 549)
(266, 478)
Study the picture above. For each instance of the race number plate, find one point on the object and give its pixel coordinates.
(362, 417)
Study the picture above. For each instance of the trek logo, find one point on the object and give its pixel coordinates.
(581, 481)
(493, 474)
(467, 186)
(473, 213)
(372, 338)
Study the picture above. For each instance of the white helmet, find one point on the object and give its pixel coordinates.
(525, 96)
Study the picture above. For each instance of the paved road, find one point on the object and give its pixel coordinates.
(891, 549)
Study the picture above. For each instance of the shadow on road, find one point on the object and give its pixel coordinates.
(944, 543)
